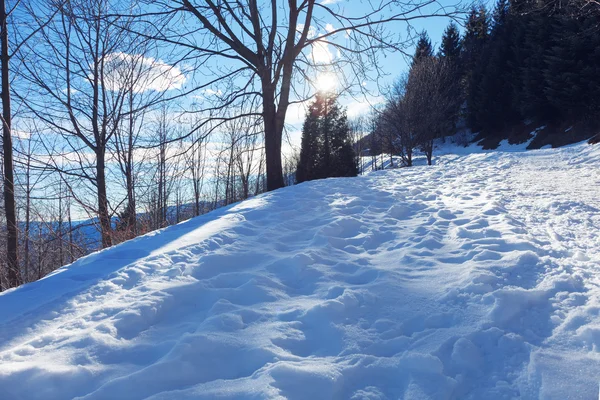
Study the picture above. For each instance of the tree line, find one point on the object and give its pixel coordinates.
(525, 64)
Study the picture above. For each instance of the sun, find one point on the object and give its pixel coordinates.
(326, 82)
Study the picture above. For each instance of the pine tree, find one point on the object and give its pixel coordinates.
(474, 44)
(451, 43)
(572, 68)
(496, 111)
(532, 99)
(326, 149)
(308, 165)
(423, 49)
(449, 53)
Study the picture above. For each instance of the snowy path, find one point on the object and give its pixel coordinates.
(476, 278)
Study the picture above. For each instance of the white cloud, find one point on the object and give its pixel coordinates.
(329, 28)
(295, 113)
(212, 92)
(312, 31)
(357, 108)
(20, 135)
(142, 73)
(320, 53)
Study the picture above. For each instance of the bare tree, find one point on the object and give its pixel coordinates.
(9, 181)
(265, 50)
(429, 101)
(195, 160)
(78, 98)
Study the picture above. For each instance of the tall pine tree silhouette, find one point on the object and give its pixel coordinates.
(450, 54)
(326, 150)
(424, 48)
(474, 45)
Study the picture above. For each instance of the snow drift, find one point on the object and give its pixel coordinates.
(475, 278)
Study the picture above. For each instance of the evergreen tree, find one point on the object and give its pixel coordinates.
(474, 44)
(451, 43)
(495, 111)
(572, 68)
(449, 54)
(326, 149)
(532, 99)
(423, 49)
(308, 165)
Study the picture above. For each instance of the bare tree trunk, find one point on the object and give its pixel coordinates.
(273, 135)
(71, 244)
(131, 216)
(27, 212)
(103, 213)
(59, 232)
(429, 151)
(259, 177)
(9, 182)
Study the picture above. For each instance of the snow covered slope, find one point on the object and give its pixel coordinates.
(477, 278)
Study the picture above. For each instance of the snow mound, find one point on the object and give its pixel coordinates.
(476, 278)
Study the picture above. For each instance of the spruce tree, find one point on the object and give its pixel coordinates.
(423, 49)
(474, 42)
(532, 99)
(451, 43)
(449, 53)
(572, 68)
(308, 165)
(495, 111)
(326, 146)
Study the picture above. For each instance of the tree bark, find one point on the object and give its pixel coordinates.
(273, 135)
(131, 214)
(103, 200)
(9, 183)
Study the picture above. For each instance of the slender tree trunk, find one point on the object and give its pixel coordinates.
(258, 177)
(196, 199)
(429, 152)
(27, 232)
(131, 216)
(40, 253)
(103, 200)
(60, 228)
(12, 260)
(71, 244)
(27, 213)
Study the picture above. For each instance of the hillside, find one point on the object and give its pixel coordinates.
(474, 278)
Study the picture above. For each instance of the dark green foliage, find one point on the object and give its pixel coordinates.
(451, 43)
(532, 100)
(326, 150)
(572, 68)
(539, 61)
(424, 48)
(495, 110)
(450, 54)
(473, 49)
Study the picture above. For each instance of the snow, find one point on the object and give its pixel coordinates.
(475, 278)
